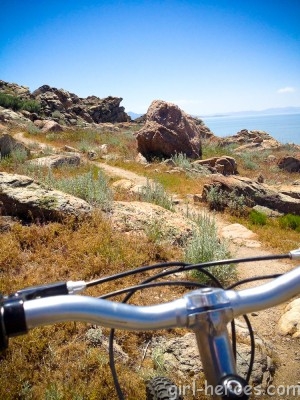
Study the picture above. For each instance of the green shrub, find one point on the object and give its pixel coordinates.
(290, 221)
(9, 101)
(155, 193)
(31, 106)
(257, 218)
(15, 103)
(204, 246)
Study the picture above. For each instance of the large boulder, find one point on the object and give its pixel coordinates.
(255, 193)
(28, 199)
(168, 130)
(47, 125)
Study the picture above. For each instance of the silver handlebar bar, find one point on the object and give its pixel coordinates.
(178, 313)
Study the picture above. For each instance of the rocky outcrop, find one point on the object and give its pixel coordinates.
(250, 141)
(26, 198)
(289, 163)
(67, 108)
(224, 165)
(9, 144)
(255, 193)
(167, 131)
(15, 90)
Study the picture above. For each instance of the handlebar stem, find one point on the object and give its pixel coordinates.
(211, 332)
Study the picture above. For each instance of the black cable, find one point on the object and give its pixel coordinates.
(253, 279)
(252, 347)
(135, 271)
(183, 265)
(152, 285)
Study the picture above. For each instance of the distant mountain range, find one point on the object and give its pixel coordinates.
(268, 111)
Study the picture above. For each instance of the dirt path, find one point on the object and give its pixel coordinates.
(243, 243)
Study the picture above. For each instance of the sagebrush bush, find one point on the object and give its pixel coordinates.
(204, 246)
(156, 194)
(220, 200)
(94, 190)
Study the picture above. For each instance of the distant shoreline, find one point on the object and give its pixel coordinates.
(283, 127)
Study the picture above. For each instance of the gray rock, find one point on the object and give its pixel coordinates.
(57, 160)
(48, 125)
(181, 354)
(289, 322)
(140, 217)
(224, 165)
(26, 198)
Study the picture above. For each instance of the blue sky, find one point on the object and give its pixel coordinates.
(207, 56)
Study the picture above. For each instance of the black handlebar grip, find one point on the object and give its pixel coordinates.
(12, 319)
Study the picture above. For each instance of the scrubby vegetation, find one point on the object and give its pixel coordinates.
(15, 103)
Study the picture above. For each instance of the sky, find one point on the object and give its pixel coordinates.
(206, 56)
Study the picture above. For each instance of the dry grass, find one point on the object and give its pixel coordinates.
(58, 362)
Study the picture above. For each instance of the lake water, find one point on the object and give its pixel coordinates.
(285, 127)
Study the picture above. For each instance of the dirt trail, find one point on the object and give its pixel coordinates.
(243, 243)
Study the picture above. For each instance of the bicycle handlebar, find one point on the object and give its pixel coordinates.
(178, 313)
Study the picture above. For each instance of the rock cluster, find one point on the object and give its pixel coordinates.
(250, 140)
(67, 108)
(169, 130)
(224, 165)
